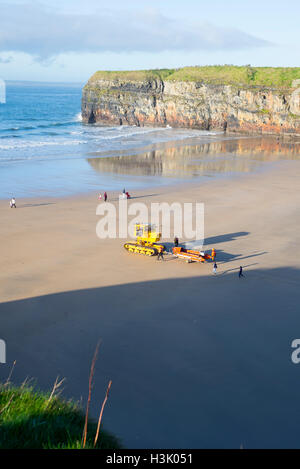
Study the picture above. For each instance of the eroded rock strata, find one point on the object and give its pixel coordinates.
(157, 102)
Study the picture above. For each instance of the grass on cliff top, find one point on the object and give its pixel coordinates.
(279, 77)
(28, 419)
(132, 75)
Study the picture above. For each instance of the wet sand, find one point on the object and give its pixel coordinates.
(195, 360)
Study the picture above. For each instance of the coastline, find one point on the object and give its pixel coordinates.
(176, 187)
(172, 163)
(149, 228)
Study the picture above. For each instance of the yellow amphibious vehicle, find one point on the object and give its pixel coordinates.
(146, 239)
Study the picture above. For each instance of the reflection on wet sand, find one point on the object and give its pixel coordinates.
(226, 156)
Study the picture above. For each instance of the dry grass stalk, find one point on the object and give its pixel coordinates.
(55, 388)
(26, 382)
(10, 373)
(101, 413)
(84, 435)
(7, 405)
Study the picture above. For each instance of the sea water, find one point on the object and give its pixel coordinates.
(46, 149)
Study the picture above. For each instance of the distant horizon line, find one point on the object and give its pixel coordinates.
(44, 82)
(83, 82)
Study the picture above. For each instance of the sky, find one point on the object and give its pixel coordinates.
(68, 40)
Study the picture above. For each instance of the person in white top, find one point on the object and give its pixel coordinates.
(13, 203)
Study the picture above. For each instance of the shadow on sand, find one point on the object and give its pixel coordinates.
(194, 362)
(36, 205)
(132, 197)
(225, 237)
(222, 256)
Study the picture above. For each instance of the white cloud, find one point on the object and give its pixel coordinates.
(6, 60)
(44, 33)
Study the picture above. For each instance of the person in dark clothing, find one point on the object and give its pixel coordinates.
(160, 254)
(241, 272)
(105, 196)
(176, 241)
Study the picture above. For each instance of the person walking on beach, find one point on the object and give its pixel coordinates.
(12, 203)
(241, 272)
(215, 268)
(160, 254)
(105, 196)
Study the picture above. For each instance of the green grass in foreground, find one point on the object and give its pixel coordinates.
(28, 419)
(214, 74)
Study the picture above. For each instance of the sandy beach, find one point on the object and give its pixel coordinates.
(195, 360)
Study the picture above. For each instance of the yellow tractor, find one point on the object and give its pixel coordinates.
(146, 239)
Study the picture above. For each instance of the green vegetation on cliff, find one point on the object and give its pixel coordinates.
(214, 74)
(132, 75)
(32, 419)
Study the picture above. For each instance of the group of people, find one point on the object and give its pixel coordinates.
(161, 250)
(13, 204)
(125, 195)
(104, 196)
(213, 258)
(215, 267)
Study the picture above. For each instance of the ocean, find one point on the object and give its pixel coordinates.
(46, 149)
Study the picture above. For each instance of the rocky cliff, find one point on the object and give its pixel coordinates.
(145, 98)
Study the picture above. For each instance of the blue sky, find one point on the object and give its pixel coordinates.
(68, 40)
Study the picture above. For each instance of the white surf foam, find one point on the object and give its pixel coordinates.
(40, 144)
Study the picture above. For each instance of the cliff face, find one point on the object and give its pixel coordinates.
(157, 102)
